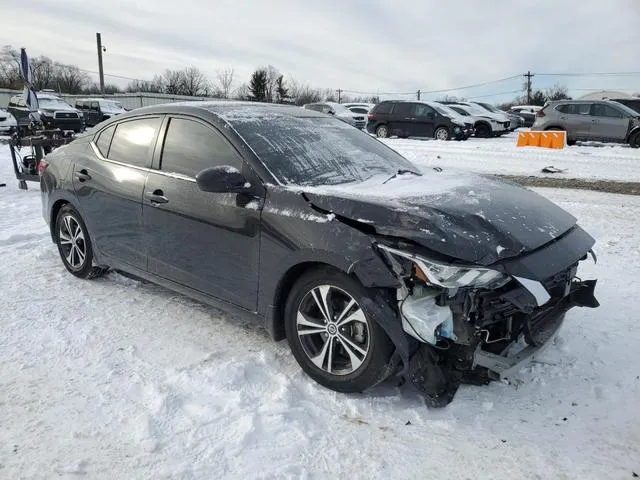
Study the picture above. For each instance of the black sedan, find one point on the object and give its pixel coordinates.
(367, 266)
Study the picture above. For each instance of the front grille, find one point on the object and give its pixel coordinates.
(358, 119)
(360, 124)
(66, 115)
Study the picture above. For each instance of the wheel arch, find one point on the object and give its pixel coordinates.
(55, 209)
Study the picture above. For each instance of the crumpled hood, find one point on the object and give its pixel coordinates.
(468, 217)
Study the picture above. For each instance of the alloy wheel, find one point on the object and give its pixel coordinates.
(333, 330)
(442, 134)
(72, 242)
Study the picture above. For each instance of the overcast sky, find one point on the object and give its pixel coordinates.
(361, 45)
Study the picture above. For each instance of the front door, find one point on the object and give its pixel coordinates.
(109, 180)
(608, 123)
(425, 120)
(205, 241)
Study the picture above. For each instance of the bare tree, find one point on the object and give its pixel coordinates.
(557, 92)
(271, 82)
(194, 82)
(69, 78)
(170, 81)
(301, 93)
(144, 86)
(10, 68)
(42, 72)
(242, 92)
(225, 80)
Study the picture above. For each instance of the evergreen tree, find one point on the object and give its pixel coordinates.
(258, 85)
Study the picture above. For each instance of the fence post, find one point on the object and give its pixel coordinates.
(141, 100)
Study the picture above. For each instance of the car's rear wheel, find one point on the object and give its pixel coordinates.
(382, 131)
(74, 244)
(331, 333)
(483, 130)
(441, 133)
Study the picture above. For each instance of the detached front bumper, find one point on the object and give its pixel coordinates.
(544, 324)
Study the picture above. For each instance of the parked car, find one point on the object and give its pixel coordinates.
(415, 119)
(96, 110)
(633, 103)
(487, 124)
(360, 108)
(597, 120)
(331, 239)
(53, 111)
(339, 111)
(527, 112)
(515, 121)
(8, 123)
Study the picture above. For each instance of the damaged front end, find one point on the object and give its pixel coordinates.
(476, 324)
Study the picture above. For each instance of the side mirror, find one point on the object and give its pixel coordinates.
(221, 179)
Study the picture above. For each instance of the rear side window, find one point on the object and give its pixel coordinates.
(403, 109)
(423, 110)
(104, 140)
(600, 110)
(383, 108)
(190, 147)
(133, 141)
(575, 108)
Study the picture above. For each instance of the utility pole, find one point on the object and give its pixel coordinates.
(339, 95)
(418, 94)
(100, 70)
(529, 76)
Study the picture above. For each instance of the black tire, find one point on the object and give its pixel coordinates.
(74, 244)
(442, 133)
(483, 130)
(374, 365)
(634, 140)
(382, 131)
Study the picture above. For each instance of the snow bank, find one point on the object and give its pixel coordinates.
(116, 378)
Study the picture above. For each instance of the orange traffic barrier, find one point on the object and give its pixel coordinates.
(549, 139)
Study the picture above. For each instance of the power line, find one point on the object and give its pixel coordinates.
(496, 94)
(588, 74)
(500, 80)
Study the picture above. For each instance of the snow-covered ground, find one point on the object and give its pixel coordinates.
(500, 155)
(116, 378)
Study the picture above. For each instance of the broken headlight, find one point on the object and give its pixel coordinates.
(447, 276)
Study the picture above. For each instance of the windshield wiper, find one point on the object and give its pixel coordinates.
(402, 171)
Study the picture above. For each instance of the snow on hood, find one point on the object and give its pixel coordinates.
(468, 217)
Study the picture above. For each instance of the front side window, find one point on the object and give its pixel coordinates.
(600, 110)
(134, 140)
(423, 110)
(190, 147)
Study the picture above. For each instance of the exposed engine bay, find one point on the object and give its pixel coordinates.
(475, 324)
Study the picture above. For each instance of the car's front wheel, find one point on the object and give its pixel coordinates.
(441, 133)
(382, 131)
(74, 244)
(634, 140)
(331, 333)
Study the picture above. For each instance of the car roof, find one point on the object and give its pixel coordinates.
(227, 109)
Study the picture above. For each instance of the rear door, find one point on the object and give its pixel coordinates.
(425, 120)
(608, 123)
(109, 181)
(575, 118)
(206, 241)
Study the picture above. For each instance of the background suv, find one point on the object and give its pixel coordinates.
(598, 120)
(358, 120)
(54, 112)
(486, 123)
(416, 119)
(96, 110)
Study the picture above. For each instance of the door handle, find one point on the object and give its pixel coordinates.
(83, 175)
(156, 197)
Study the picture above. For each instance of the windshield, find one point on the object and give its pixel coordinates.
(490, 107)
(311, 151)
(53, 103)
(444, 110)
(474, 110)
(111, 105)
(627, 110)
(340, 109)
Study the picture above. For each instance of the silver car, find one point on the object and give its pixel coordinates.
(597, 120)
